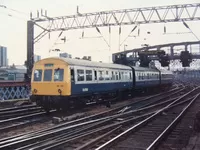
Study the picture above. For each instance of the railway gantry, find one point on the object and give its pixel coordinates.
(146, 15)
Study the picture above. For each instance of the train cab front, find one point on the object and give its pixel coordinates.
(49, 84)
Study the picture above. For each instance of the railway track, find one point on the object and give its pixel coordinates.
(86, 124)
(30, 118)
(148, 133)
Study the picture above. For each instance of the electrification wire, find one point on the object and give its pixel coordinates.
(56, 41)
(128, 35)
(14, 10)
(102, 36)
(12, 16)
(186, 25)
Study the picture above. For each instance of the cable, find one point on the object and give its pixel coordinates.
(128, 35)
(186, 25)
(102, 36)
(10, 15)
(5, 7)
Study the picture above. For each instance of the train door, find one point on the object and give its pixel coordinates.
(133, 77)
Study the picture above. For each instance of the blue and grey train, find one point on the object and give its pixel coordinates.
(62, 82)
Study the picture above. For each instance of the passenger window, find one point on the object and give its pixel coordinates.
(130, 75)
(101, 75)
(119, 75)
(38, 75)
(113, 76)
(116, 73)
(72, 75)
(122, 75)
(107, 76)
(48, 75)
(80, 75)
(95, 75)
(58, 74)
(88, 75)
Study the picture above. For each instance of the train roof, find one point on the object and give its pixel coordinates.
(81, 62)
(164, 71)
(145, 69)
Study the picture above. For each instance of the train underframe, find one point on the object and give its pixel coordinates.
(79, 101)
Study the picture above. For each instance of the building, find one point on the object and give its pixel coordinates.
(3, 56)
(65, 55)
(37, 58)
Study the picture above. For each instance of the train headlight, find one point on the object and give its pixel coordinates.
(59, 91)
(34, 91)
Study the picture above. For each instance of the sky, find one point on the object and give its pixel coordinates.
(13, 29)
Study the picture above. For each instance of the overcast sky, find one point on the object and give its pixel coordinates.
(13, 28)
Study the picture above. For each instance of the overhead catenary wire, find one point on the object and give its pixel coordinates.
(102, 36)
(12, 16)
(14, 10)
(129, 35)
(186, 25)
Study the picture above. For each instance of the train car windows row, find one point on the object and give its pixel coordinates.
(47, 75)
(80, 75)
(102, 75)
(144, 76)
(58, 74)
(38, 75)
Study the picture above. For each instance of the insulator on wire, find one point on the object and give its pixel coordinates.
(41, 12)
(185, 24)
(60, 34)
(109, 29)
(134, 29)
(98, 30)
(83, 34)
(120, 30)
(31, 15)
(139, 32)
(165, 29)
(38, 14)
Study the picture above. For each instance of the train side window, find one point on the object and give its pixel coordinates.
(38, 75)
(58, 74)
(88, 75)
(107, 77)
(113, 76)
(116, 74)
(80, 75)
(122, 75)
(95, 75)
(130, 75)
(119, 75)
(47, 75)
(72, 75)
(101, 76)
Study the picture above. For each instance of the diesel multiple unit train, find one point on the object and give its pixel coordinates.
(62, 82)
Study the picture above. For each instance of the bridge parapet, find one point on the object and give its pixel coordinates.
(14, 90)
